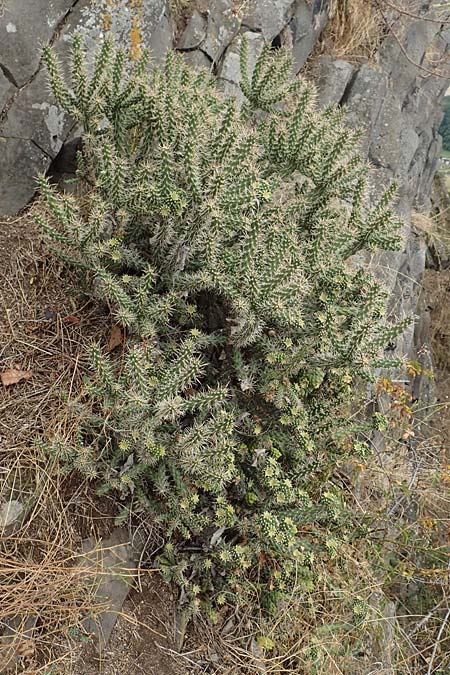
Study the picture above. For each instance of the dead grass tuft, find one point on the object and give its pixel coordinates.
(435, 233)
(354, 30)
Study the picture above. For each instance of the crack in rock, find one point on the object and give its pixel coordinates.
(8, 74)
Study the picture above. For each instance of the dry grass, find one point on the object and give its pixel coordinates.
(354, 30)
(435, 232)
(41, 330)
(437, 298)
(316, 630)
(43, 594)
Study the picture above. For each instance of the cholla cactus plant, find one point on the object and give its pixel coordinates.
(222, 241)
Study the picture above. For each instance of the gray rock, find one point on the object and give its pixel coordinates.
(194, 33)
(229, 74)
(333, 76)
(112, 563)
(364, 99)
(401, 62)
(198, 59)
(24, 26)
(10, 512)
(21, 161)
(423, 389)
(309, 20)
(395, 142)
(6, 89)
(427, 175)
(267, 16)
(35, 115)
(16, 631)
(134, 24)
(223, 26)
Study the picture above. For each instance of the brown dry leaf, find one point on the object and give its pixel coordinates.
(72, 319)
(13, 376)
(115, 338)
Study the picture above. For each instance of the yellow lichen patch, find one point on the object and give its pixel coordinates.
(135, 39)
(106, 23)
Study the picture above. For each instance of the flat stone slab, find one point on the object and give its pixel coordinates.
(194, 33)
(20, 161)
(113, 563)
(24, 26)
(6, 89)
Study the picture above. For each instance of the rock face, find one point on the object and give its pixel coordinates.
(22, 26)
(309, 20)
(32, 128)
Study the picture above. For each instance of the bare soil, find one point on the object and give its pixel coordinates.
(142, 640)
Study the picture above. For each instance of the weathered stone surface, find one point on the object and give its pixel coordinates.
(133, 23)
(394, 141)
(25, 25)
(333, 76)
(194, 33)
(364, 99)
(223, 26)
(267, 16)
(309, 20)
(6, 89)
(35, 115)
(229, 74)
(198, 59)
(16, 632)
(423, 389)
(112, 563)
(403, 63)
(20, 161)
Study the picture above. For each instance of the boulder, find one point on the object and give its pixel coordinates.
(112, 565)
(394, 141)
(7, 88)
(364, 98)
(21, 161)
(267, 16)
(135, 24)
(33, 128)
(229, 73)
(194, 33)
(10, 512)
(223, 26)
(308, 22)
(332, 78)
(34, 115)
(198, 59)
